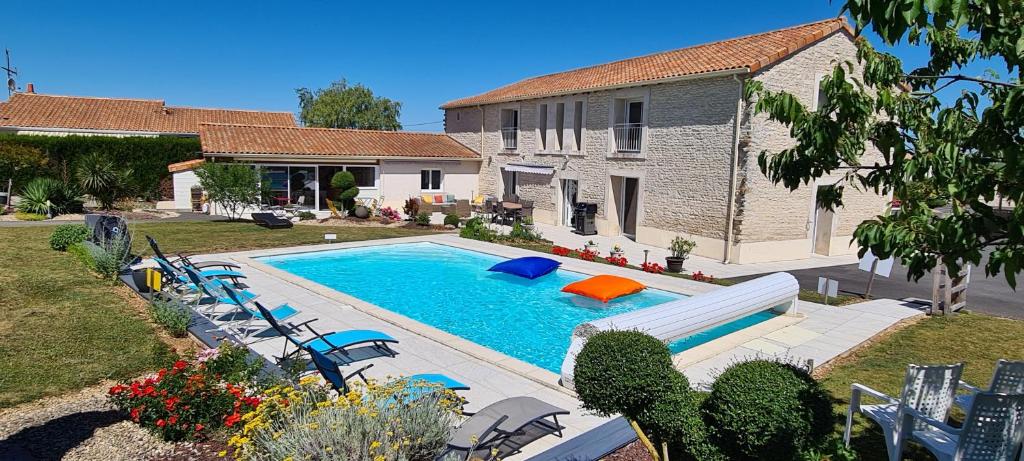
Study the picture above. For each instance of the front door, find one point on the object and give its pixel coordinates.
(822, 235)
(569, 188)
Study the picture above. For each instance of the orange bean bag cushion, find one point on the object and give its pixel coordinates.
(604, 287)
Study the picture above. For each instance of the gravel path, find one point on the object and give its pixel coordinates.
(78, 426)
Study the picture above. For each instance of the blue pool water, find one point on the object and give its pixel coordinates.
(449, 288)
(691, 341)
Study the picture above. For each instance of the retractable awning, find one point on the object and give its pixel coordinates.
(530, 168)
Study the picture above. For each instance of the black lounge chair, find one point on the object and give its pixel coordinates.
(503, 428)
(270, 221)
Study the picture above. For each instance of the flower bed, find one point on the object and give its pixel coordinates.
(188, 399)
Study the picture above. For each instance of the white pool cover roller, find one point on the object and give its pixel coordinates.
(678, 319)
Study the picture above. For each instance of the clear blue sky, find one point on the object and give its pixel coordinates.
(253, 55)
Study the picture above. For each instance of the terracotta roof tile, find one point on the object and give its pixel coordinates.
(751, 52)
(186, 165)
(26, 110)
(248, 139)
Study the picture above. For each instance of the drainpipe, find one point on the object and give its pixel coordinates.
(734, 167)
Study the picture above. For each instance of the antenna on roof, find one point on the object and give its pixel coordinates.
(11, 73)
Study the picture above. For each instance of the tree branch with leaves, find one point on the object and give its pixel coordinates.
(344, 106)
(968, 150)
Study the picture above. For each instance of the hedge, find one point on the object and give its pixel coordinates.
(147, 157)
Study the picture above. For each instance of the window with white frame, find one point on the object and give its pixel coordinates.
(509, 128)
(542, 127)
(628, 128)
(560, 126)
(577, 125)
(430, 180)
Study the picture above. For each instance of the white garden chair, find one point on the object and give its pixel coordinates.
(929, 390)
(992, 431)
(1007, 379)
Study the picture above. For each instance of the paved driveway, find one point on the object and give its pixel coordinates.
(991, 295)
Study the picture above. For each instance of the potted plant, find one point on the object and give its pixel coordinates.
(527, 223)
(617, 251)
(680, 249)
(590, 246)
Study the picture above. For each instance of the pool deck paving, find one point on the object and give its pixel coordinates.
(817, 332)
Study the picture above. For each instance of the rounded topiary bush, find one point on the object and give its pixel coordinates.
(767, 410)
(65, 235)
(623, 372)
(451, 220)
(675, 419)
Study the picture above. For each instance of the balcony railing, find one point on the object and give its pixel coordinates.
(509, 136)
(628, 137)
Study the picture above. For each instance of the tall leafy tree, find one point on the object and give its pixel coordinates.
(965, 151)
(344, 106)
(234, 187)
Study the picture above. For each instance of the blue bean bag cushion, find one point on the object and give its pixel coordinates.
(529, 267)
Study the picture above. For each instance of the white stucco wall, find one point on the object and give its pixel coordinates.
(400, 179)
(183, 182)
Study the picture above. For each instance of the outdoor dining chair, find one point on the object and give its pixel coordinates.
(992, 431)
(1007, 379)
(928, 390)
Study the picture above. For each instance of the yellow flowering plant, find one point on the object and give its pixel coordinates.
(371, 422)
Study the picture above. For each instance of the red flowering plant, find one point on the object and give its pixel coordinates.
(653, 268)
(700, 277)
(560, 251)
(617, 260)
(191, 398)
(587, 255)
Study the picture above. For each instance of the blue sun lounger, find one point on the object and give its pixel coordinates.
(416, 386)
(330, 343)
(215, 290)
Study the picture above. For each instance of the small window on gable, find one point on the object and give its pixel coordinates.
(820, 98)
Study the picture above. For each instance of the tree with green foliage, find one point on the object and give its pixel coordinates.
(345, 183)
(233, 187)
(344, 106)
(20, 164)
(971, 147)
(104, 180)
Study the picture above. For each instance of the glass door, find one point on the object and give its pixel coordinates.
(569, 189)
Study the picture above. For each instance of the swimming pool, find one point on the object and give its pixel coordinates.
(450, 289)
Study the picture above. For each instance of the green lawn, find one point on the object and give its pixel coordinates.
(974, 339)
(62, 329)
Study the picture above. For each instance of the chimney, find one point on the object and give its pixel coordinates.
(30, 88)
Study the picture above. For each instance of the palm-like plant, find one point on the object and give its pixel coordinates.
(102, 179)
(35, 197)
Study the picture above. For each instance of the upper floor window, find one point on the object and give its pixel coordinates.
(560, 126)
(628, 129)
(577, 124)
(542, 127)
(509, 128)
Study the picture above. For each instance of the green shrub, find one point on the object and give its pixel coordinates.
(147, 158)
(21, 163)
(767, 410)
(675, 419)
(104, 179)
(522, 234)
(66, 235)
(23, 216)
(172, 315)
(623, 372)
(48, 197)
(306, 215)
(475, 229)
(451, 219)
(234, 187)
(423, 219)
